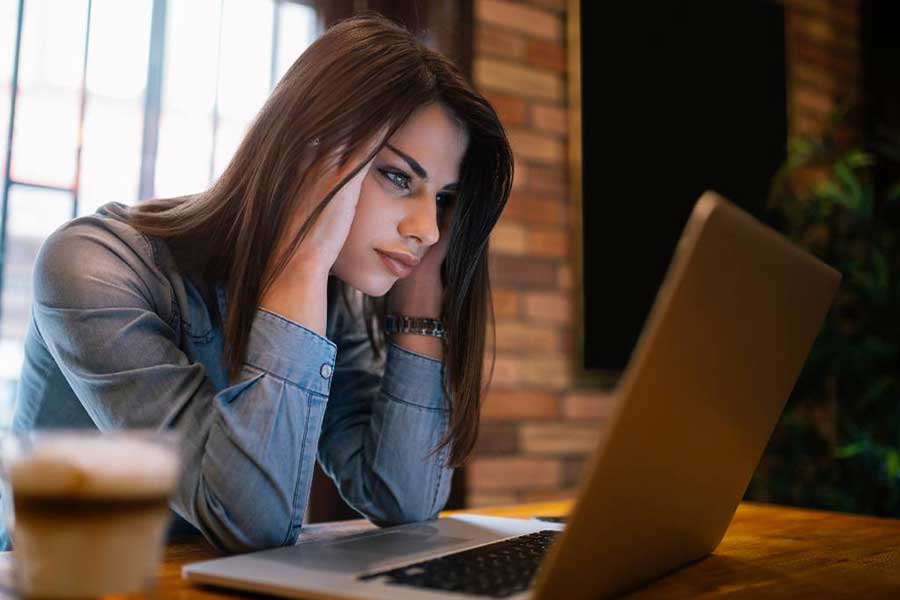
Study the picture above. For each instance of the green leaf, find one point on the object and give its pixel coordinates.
(880, 268)
(799, 150)
(851, 450)
(853, 189)
(830, 191)
(857, 159)
(892, 463)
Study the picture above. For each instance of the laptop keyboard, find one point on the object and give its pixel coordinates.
(497, 570)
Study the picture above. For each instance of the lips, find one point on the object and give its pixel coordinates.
(398, 263)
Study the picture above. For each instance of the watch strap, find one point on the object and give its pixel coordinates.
(414, 325)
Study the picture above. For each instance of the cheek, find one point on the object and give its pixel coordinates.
(372, 221)
(358, 264)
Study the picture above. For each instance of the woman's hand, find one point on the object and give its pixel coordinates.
(299, 291)
(421, 293)
(323, 242)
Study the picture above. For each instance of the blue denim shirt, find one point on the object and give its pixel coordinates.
(120, 338)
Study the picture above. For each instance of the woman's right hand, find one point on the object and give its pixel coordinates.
(324, 241)
(299, 291)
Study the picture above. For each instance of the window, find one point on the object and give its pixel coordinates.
(118, 101)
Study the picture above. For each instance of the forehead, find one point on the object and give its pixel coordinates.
(433, 138)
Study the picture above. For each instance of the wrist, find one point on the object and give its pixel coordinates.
(299, 296)
(422, 300)
(431, 347)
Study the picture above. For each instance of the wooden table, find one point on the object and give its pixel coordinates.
(768, 552)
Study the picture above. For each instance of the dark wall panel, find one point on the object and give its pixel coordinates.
(678, 96)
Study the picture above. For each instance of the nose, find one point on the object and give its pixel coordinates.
(420, 222)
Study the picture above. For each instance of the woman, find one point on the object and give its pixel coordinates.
(268, 319)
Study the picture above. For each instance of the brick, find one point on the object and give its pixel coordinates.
(533, 208)
(552, 373)
(548, 242)
(512, 110)
(519, 404)
(529, 82)
(551, 119)
(497, 438)
(806, 125)
(549, 180)
(588, 405)
(482, 500)
(547, 54)
(568, 343)
(513, 473)
(522, 271)
(566, 277)
(492, 41)
(814, 101)
(520, 177)
(549, 495)
(557, 5)
(536, 146)
(527, 338)
(844, 13)
(559, 438)
(547, 372)
(506, 303)
(518, 17)
(553, 307)
(816, 78)
(823, 32)
(841, 64)
(507, 372)
(572, 470)
(508, 238)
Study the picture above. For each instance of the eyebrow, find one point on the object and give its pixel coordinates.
(417, 168)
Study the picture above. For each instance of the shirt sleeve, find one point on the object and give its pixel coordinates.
(382, 427)
(249, 449)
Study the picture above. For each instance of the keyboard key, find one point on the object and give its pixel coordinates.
(497, 570)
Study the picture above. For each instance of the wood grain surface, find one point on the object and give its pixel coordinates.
(768, 552)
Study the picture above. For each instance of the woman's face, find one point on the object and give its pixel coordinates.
(399, 202)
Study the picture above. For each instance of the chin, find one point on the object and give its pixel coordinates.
(372, 285)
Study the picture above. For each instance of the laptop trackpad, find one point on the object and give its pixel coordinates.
(363, 552)
(412, 540)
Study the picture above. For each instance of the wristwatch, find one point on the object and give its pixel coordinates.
(414, 325)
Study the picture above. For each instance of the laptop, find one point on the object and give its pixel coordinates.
(723, 345)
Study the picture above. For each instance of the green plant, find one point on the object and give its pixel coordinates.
(838, 443)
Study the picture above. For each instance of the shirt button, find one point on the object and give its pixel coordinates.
(325, 371)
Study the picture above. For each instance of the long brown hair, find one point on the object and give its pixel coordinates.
(364, 76)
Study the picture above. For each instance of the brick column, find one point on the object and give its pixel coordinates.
(824, 63)
(535, 432)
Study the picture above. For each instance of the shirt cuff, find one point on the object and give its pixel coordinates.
(291, 352)
(413, 378)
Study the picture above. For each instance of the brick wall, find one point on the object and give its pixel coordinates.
(536, 430)
(824, 62)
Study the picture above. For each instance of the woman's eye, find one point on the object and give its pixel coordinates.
(400, 180)
(443, 200)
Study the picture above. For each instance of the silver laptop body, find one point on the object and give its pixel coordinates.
(729, 331)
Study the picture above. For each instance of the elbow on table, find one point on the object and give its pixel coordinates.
(409, 509)
(250, 539)
(256, 528)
